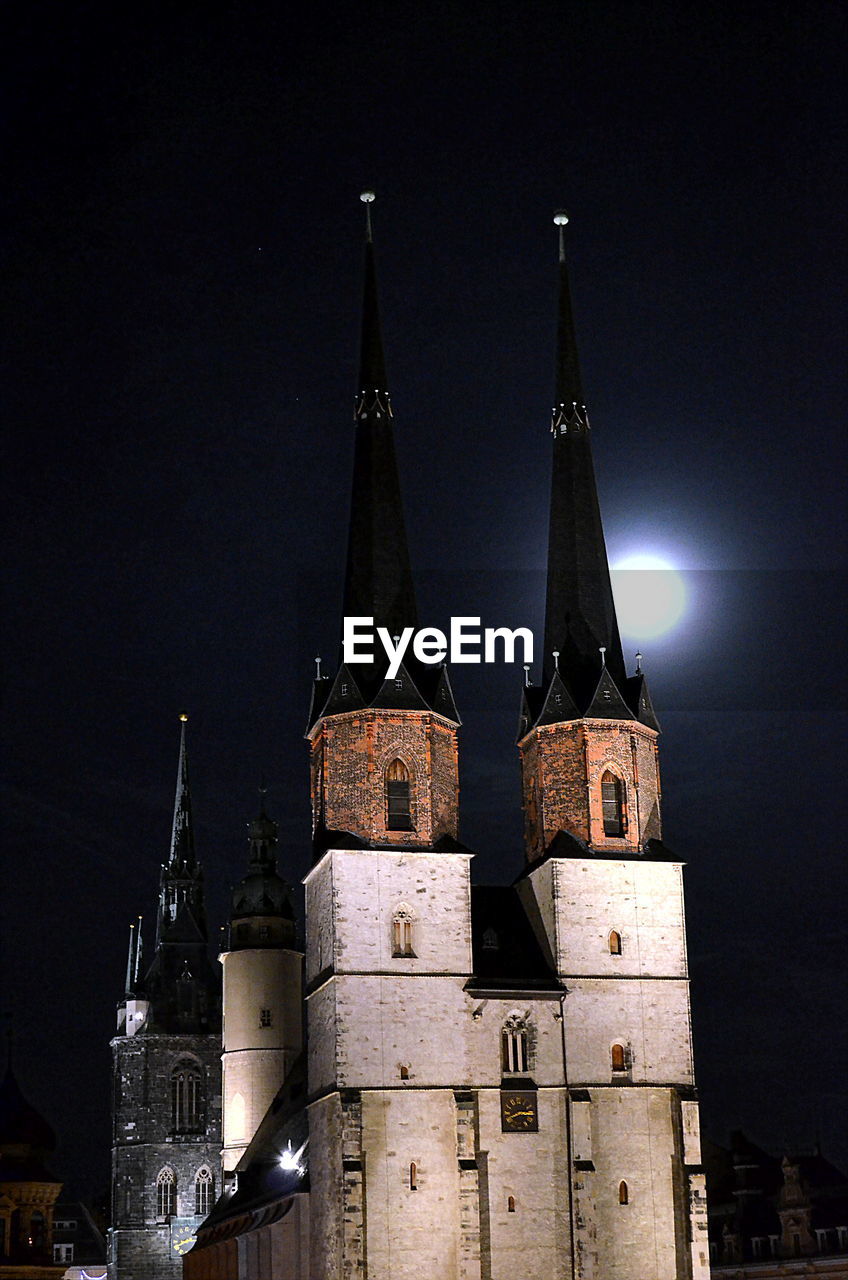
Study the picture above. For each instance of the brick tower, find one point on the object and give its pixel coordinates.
(166, 1106)
(605, 893)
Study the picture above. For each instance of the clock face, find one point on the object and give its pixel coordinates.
(519, 1113)
(182, 1240)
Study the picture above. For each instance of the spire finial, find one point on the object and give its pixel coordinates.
(368, 198)
(555, 655)
(317, 666)
(638, 664)
(526, 676)
(602, 650)
(561, 221)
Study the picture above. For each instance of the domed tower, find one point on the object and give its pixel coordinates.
(28, 1191)
(263, 1019)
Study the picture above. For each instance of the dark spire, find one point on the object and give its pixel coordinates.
(378, 582)
(580, 614)
(129, 984)
(181, 881)
(182, 833)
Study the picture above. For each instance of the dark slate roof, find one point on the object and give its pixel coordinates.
(639, 700)
(507, 954)
(607, 701)
(20, 1124)
(579, 614)
(554, 702)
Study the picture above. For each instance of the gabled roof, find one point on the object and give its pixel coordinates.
(506, 953)
(607, 701)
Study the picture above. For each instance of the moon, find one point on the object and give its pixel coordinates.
(650, 595)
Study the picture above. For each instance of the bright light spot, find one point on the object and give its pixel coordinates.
(650, 595)
(291, 1160)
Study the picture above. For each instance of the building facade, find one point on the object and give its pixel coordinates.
(499, 1080)
(166, 1106)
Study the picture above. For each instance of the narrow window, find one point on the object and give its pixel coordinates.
(166, 1194)
(615, 943)
(404, 1073)
(398, 811)
(36, 1226)
(413, 1176)
(402, 923)
(514, 1049)
(264, 1017)
(203, 1188)
(510, 1204)
(612, 803)
(617, 1056)
(623, 1193)
(185, 1098)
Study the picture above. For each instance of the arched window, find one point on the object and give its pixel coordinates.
(617, 1055)
(615, 943)
(413, 1176)
(38, 1234)
(204, 1187)
(612, 803)
(510, 1204)
(623, 1193)
(402, 931)
(515, 1056)
(398, 811)
(166, 1194)
(186, 1100)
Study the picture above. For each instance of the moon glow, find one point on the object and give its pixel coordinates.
(650, 595)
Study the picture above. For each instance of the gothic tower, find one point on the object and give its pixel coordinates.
(166, 1108)
(263, 995)
(387, 903)
(606, 895)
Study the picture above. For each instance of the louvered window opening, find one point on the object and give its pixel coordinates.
(185, 1100)
(398, 811)
(612, 805)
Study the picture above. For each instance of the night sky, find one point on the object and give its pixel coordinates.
(182, 262)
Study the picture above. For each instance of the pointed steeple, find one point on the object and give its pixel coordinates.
(182, 832)
(129, 984)
(378, 581)
(580, 614)
(181, 881)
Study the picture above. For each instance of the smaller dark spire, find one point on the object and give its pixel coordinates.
(129, 984)
(182, 833)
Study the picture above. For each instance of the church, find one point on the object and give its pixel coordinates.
(456, 1081)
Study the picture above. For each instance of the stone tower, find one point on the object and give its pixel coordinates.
(606, 896)
(500, 1079)
(263, 994)
(166, 1107)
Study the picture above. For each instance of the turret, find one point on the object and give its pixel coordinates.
(587, 732)
(263, 1009)
(384, 754)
